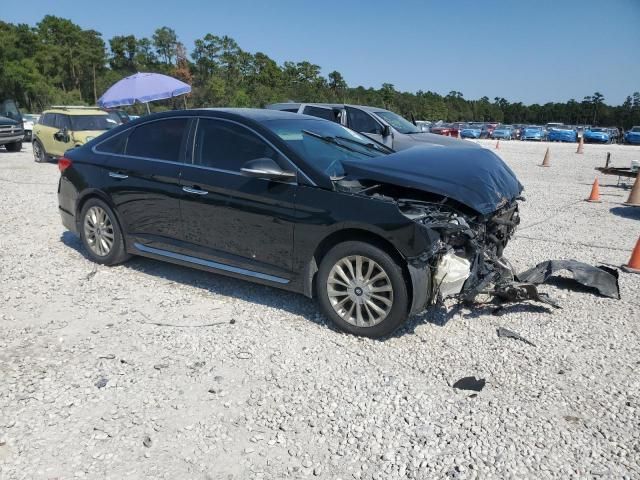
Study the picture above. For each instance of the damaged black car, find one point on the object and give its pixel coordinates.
(298, 203)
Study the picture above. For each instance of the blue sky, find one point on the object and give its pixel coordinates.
(532, 51)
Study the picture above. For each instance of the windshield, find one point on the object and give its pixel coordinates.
(396, 121)
(9, 109)
(30, 117)
(505, 127)
(324, 145)
(635, 129)
(90, 122)
(533, 128)
(598, 129)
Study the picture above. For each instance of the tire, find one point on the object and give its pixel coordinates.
(14, 147)
(39, 155)
(394, 304)
(98, 222)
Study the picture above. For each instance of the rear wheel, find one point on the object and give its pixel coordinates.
(100, 233)
(39, 155)
(362, 289)
(14, 147)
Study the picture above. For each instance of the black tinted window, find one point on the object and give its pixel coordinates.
(115, 144)
(362, 122)
(319, 112)
(62, 121)
(228, 146)
(163, 139)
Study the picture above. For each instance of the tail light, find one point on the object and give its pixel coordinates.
(63, 164)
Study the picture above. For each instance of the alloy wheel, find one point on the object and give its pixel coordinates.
(37, 152)
(98, 231)
(360, 291)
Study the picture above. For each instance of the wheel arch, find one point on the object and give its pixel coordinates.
(353, 234)
(87, 195)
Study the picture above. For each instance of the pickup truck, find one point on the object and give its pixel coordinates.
(11, 126)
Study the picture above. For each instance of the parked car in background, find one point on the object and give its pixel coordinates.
(615, 134)
(381, 125)
(446, 129)
(632, 137)
(503, 132)
(471, 131)
(488, 129)
(29, 120)
(562, 133)
(11, 129)
(533, 132)
(65, 127)
(297, 203)
(597, 135)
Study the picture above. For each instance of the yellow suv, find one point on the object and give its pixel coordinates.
(62, 128)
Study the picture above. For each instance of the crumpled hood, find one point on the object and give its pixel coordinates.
(475, 177)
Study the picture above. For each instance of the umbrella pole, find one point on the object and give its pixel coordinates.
(185, 101)
(148, 111)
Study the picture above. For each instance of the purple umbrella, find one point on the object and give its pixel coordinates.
(142, 88)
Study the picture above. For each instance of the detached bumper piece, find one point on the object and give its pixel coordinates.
(522, 287)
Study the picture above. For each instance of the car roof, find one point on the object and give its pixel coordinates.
(257, 114)
(73, 110)
(366, 108)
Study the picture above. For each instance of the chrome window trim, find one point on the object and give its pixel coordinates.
(208, 263)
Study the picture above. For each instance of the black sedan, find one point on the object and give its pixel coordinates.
(294, 202)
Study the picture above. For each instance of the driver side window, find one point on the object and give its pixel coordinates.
(362, 122)
(228, 146)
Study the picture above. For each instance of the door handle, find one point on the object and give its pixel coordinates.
(120, 176)
(195, 191)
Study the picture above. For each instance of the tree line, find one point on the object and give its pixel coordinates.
(59, 62)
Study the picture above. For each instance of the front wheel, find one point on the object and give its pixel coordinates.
(39, 155)
(14, 147)
(100, 233)
(362, 289)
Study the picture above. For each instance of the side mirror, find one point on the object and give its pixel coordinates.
(265, 168)
(386, 130)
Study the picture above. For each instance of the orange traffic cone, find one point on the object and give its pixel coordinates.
(595, 192)
(498, 144)
(547, 158)
(580, 146)
(634, 262)
(634, 196)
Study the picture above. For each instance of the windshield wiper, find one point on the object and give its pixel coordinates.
(375, 146)
(334, 141)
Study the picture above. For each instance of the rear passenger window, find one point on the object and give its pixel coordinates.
(362, 122)
(319, 112)
(115, 144)
(228, 146)
(161, 140)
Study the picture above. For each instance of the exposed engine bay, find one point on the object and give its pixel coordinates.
(466, 254)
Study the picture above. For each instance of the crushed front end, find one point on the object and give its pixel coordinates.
(466, 258)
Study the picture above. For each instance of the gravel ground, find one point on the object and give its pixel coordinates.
(93, 383)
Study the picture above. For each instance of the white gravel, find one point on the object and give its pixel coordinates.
(279, 394)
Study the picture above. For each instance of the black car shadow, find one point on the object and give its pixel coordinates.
(218, 284)
(632, 213)
(293, 303)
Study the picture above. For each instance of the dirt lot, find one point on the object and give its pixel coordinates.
(93, 383)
